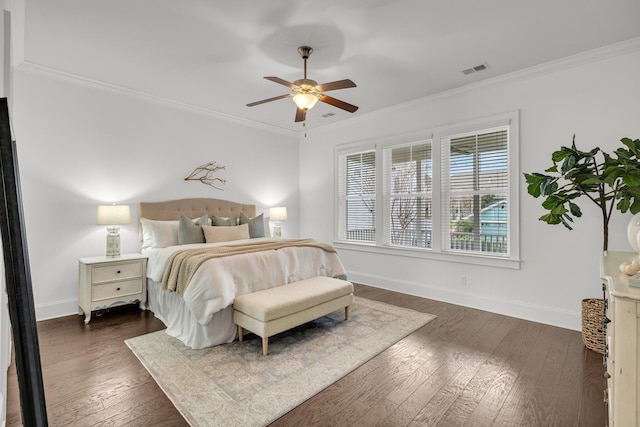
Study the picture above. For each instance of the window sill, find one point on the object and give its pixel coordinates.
(430, 254)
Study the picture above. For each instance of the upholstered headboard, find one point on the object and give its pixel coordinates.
(193, 208)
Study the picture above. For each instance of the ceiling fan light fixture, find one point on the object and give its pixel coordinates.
(305, 101)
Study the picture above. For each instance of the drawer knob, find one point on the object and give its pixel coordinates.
(118, 272)
(117, 289)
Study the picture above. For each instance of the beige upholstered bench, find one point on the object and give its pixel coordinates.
(271, 311)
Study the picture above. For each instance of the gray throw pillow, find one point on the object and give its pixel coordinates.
(225, 222)
(189, 231)
(256, 225)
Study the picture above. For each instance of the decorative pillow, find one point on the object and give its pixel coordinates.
(190, 231)
(222, 221)
(265, 226)
(256, 225)
(215, 234)
(158, 234)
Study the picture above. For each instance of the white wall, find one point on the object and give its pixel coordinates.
(81, 144)
(594, 95)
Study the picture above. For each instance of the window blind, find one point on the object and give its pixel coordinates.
(475, 192)
(357, 196)
(407, 175)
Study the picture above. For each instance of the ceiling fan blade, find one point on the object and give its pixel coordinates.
(339, 84)
(300, 115)
(337, 103)
(269, 100)
(282, 82)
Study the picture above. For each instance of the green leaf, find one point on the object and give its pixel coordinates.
(552, 202)
(550, 218)
(559, 210)
(560, 155)
(565, 223)
(568, 163)
(549, 187)
(623, 205)
(553, 168)
(632, 146)
(632, 179)
(623, 154)
(575, 210)
(591, 181)
(534, 182)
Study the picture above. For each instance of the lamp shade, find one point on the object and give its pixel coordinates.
(113, 215)
(305, 101)
(278, 213)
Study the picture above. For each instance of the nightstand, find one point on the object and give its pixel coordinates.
(111, 281)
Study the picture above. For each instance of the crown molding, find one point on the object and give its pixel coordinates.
(100, 85)
(591, 56)
(568, 62)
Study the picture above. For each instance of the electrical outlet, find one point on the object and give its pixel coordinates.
(463, 280)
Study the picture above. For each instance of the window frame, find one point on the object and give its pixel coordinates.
(448, 192)
(388, 194)
(436, 136)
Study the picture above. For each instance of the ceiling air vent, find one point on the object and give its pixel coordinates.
(328, 115)
(476, 68)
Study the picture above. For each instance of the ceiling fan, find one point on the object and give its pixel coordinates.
(307, 92)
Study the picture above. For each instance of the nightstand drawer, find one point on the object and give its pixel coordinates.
(108, 273)
(116, 289)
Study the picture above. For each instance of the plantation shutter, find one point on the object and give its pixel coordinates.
(357, 196)
(475, 192)
(407, 184)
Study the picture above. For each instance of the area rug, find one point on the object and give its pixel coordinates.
(235, 385)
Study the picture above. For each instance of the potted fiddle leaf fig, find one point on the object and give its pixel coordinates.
(611, 181)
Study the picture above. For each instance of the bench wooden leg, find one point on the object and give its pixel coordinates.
(265, 346)
(346, 313)
(240, 332)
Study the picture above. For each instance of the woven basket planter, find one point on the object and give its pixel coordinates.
(593, 324)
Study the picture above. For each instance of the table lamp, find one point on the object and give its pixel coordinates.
(112, 216)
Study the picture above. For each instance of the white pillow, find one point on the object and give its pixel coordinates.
(221, 233)
(159, 234)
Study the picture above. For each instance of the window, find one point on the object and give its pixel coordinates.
(449, 195)
(357, 196)
(475, 192)
(407, 188)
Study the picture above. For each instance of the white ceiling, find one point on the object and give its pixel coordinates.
(212, 54)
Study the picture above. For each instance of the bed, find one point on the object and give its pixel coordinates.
(197, 306)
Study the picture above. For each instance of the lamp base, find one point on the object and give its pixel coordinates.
(113, 242)
(277, 229)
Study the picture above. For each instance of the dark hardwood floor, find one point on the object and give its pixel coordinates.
(467, 367)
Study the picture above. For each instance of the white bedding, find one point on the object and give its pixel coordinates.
(216, 283)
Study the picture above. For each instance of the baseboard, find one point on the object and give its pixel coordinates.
(51, 310)
(536, 313)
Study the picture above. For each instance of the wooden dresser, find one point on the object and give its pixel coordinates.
(622, 349)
